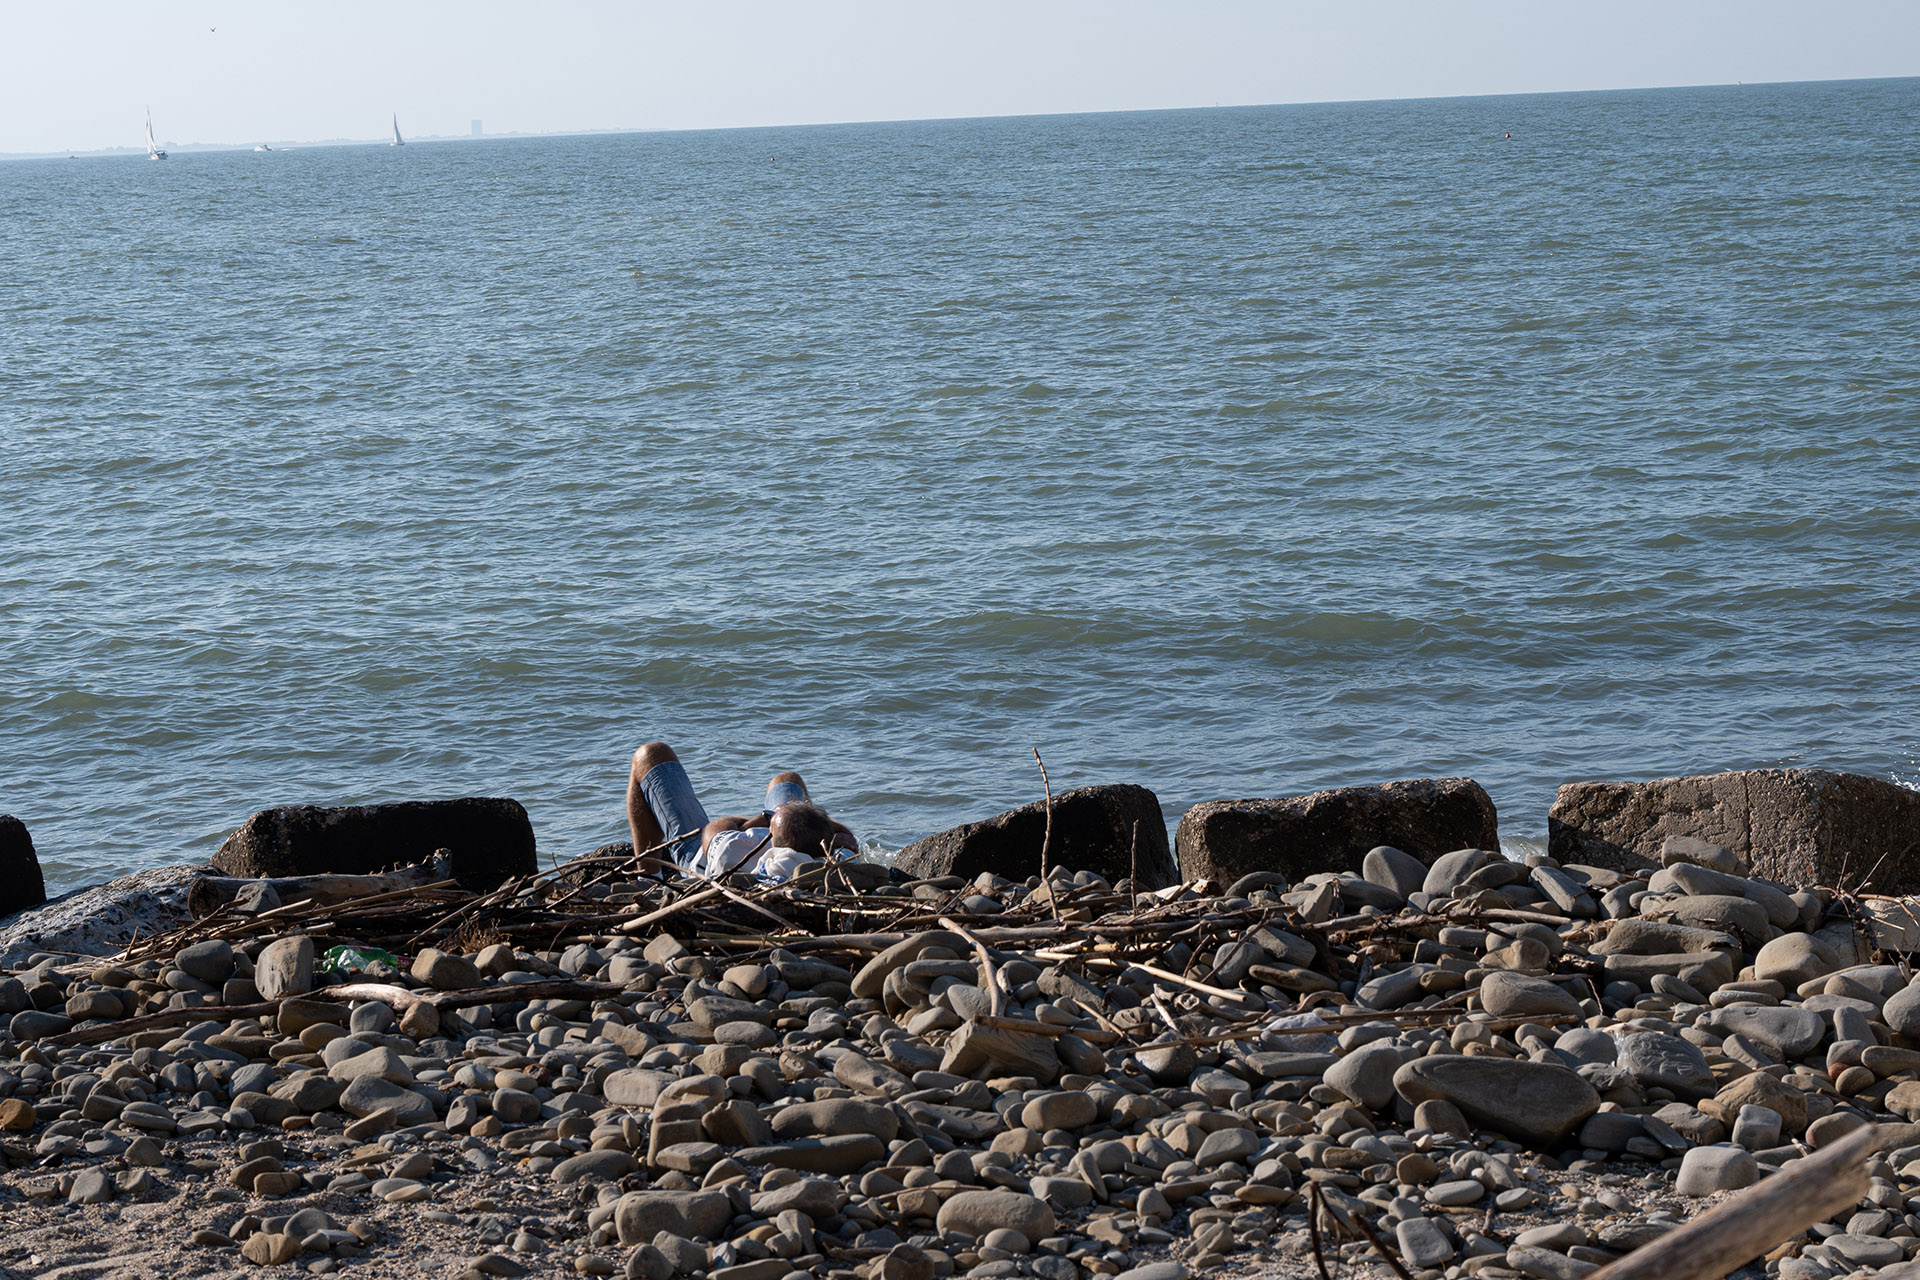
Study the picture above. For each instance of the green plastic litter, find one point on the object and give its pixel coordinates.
(356, 959)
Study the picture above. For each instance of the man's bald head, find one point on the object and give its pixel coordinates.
(802, 827)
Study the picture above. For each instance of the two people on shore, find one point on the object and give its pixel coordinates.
(666, 817)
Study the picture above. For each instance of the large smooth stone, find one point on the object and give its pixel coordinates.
(1365, 1076)
(445, 971)
(1902, 1010)
(1791, 959)
(1531, 1102)
(1706, 1170)
(974, 1213)
(368, 1094)
(639, 1216)
(1790, 1032)
(635, 1087)
(1668, 1062)
(1394, 868)
(1514, 995)
(835, 1115)
(210, 961)
(594, 1166)
(285, 968)
(1745, 920)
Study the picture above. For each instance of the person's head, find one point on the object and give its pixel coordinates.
(802, 827)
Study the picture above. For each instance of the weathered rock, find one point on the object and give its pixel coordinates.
(444, 971)
(1664, 1061)
(635, 1087)
(1636, 936)
(1794, 826)
(815, 1197)
(977, 1050)
(1758, 1089)
(1701, 853)
(1108, 830)
(1716, 912)
(1333, 830)
(1531, 1102)
(490, 838)
(21, 883)
(1422, 1243)
(91, 1186)
(1787, 1031)
(285, 968)
(102, 919)
(379, 1061)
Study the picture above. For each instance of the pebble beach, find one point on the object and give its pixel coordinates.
(1455, 1065)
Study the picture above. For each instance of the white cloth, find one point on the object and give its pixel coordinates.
(751, 852)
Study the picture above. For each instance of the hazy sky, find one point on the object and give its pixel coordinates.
(78, 76)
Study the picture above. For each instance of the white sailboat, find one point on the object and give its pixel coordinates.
(153, 151)
(398, 141)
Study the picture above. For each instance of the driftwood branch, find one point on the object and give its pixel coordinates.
(208, 893)
(1046, 836)
(1734, 1233)
(989, 976)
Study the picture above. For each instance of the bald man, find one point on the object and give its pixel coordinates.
(789, 832)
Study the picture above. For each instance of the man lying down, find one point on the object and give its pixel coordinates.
(774, 844)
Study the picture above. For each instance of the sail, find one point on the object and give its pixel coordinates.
(150, 147)
(398, 141)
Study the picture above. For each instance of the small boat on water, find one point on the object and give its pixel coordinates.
(153, 151)
(398, 141)
(263, 147)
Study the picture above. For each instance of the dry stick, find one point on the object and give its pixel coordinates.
(1033, 1026)
(1201, 987)
(1133, 873)
(1046, 835)
(1313, 1229)
(1360, 1221)
(996, 998)
(673, 908)
(1166, 1015)
(1725, 1238)
(520, 884)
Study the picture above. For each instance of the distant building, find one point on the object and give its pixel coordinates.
(476, 128)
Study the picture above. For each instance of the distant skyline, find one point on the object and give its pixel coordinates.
(81, 77)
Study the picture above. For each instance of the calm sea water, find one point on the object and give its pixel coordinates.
(1234, 452)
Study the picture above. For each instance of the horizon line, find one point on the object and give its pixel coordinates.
(309, 144)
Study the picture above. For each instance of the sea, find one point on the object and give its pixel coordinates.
(1235, 452)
